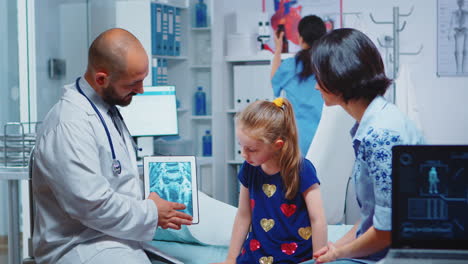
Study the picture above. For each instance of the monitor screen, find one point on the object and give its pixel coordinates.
(153, 113)
(430, 196)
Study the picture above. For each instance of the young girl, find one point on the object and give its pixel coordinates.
(295, 77)
(280, 218)
(350, 73)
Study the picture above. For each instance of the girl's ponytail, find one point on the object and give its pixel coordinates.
(290, 156)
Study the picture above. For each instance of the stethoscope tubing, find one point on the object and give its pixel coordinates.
(101, 118)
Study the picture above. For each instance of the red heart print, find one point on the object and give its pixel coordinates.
(288, 209)
(254, 245)
(289, 249)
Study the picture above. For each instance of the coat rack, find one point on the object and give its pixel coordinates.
(396, 42)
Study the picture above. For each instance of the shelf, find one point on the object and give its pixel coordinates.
(199, 66)
(176, 3)
(201, 118)
(235, 162)
(170, 57)
(259, 56)
(181, 110)
(255, 57)
(204, 161)
(14, 173)
(232, 111)
(201, 28)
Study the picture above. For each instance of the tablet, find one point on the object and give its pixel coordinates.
(173, 178)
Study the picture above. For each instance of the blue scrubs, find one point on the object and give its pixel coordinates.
(307, 102)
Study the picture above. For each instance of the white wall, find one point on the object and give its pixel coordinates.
(47, 46)
(441, 100)
(9, 110)
(56, 38)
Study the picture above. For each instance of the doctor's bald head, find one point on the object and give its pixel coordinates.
(110, 51)
(117, 65)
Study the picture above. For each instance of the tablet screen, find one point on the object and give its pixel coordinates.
(173, 178)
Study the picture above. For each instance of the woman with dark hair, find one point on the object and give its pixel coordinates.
(295, 77)
(350, 73)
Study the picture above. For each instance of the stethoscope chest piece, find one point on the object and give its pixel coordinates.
(116, 167)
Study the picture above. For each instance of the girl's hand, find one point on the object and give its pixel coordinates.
(320, 252)
(326, 254)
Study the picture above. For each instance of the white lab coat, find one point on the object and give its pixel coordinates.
(82, 208)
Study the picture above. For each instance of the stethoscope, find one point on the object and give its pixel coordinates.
(116, 167)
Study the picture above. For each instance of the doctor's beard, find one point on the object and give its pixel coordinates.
(111, 97)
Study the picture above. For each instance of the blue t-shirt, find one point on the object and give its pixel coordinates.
(306, 101)
(280, 229)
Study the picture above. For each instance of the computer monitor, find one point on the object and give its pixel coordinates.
(153, 113)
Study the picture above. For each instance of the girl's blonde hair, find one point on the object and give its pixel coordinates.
(268, 121)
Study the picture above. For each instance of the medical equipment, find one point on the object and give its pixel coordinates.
(161, 102)
(264, 34)
(16, 145)
(116, 166)
(396, 42)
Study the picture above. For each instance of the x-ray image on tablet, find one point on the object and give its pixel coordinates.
(173, 178)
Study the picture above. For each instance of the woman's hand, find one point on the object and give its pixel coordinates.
(278, 38)
(326, 254)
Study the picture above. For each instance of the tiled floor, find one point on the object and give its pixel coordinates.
(3, 249)
(3, 253)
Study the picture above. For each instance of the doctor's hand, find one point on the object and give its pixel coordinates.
(168, 216)
(326, 254)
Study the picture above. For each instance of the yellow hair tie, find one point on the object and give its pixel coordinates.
(278, 102)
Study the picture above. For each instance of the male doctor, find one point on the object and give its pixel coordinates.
(88, 194)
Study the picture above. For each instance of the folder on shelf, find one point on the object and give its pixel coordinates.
(251, 83)
(237, 149)
(165, 30)
(154, 72)
(158, 28)
(164, 79)
(159, 80)
(177, 31)
(170, 30)
(153, 28)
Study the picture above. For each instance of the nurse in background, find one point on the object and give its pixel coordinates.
(89, 209)
(295, 77)
(350, 73)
